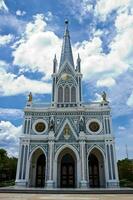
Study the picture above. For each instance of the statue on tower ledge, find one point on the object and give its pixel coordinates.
(30, 97)
(104, 98)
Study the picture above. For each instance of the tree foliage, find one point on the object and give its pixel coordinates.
(125, 169)
(8, 167)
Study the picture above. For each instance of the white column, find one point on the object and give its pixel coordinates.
(23, 163)
(116, 169)
(110, 162)
(106, 165)
(18, 164)
(83, 182)
(50, 159)
(50, 182)
(27, 166)
(82, 160)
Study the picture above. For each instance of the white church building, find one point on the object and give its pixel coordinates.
(68, 143)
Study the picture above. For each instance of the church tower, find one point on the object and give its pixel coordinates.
(68, 143)
(66, 90)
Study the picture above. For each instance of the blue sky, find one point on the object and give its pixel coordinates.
(31, 33)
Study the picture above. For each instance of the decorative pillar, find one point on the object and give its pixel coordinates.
(83, 182)
(50, 182)
(116, 168)
(18, 164)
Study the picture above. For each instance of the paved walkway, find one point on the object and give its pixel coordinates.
(11, 196)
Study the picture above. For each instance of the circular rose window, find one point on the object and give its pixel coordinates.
(40, 127)
(94, 126)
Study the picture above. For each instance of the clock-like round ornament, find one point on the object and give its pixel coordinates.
(40, 127)
(65, 77)
(94, 126)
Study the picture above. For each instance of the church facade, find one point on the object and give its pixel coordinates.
(69, 143)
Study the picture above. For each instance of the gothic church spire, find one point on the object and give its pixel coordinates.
(66, 53)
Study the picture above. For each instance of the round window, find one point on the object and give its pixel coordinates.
(94, 126)
(40, 127)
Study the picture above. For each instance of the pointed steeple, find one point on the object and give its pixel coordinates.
(78, 68)
(66, 53)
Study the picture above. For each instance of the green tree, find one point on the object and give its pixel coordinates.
(8, 167)
(125, 168)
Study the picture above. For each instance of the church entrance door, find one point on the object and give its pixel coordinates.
(40, 171)
(93, 171)
(67, 176)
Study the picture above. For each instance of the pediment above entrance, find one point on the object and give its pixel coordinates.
(66, 132)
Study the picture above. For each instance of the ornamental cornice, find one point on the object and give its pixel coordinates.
(66, 112)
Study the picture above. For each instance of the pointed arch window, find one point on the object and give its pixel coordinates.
(60, 94)
(67, 94)
(73, 94)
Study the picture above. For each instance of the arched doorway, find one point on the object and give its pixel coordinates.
(96, 170)
(67, 179)
(66, 169)
(37, 170)
(40, 171)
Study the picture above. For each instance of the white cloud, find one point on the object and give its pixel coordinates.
(49, 16)
(9, 137)
(11, 21)
(5, 39)
(37, 47)
(20, 13)
(104, 7)
(95, 62)
(107, 82)
(78, 8)
(130, 100)
(121, 128)
(3, 5)
(120, 93)
(124, 21)
(11, 112)
(11, 84)
(98, 97)
(3, 64)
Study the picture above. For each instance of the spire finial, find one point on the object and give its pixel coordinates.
(66, 21)
(66, 27)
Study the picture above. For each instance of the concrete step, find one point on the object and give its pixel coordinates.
(66, 191)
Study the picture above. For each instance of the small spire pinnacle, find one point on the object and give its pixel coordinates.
(78, 63)
(54, 64)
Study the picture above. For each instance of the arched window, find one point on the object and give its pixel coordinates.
(73, 94)
(60, 94)
(67, 94)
